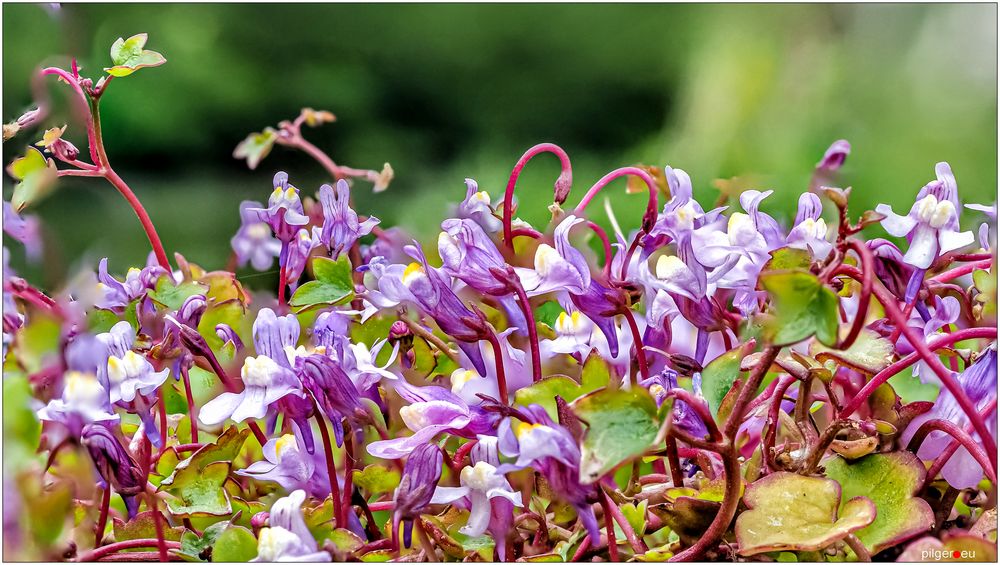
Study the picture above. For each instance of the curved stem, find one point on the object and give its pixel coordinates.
(84, 102)
(606, 244)
(988, 465)
(99, 552)
(819, 449)
(192, 407)
(161, 543)
(331, 466)
(702, 409)
(945, 455)
(529, 317)
(730, 502)
(884, 375)
(563, 183)
(772, 420)
(651, 207)
(609, 527)
(501, 373)
(317, 154)
(868, 270)
(858, 548)
(102, 520)
(963, 270)
(640, 351)
(749, 391)
(674, 461)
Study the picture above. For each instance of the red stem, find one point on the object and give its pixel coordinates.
(603, 236)
(962, 270)
(674, 461)
(331, 466)
(633, 539)
(381, 506)
(257, 432)
(724, 516)
(946, 377)
(699, 406)
(102, 520)
(609, 527)
(501, 373)
(84, 106)
(99, 552)
(529, 316)
(192, 408)
(640, 350)
(161, 544)
(162, 410)
(868, 269)
(566, 176)
(884, 375)
(960, 435)
(460, 454)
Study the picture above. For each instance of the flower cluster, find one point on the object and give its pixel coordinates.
(518, 393)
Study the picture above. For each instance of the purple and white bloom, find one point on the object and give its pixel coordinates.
(341, 228)
(114, 465)
(287, 461)
(133, 374)
(477, 207)
(578, 336)
(470, 255)
(559, 268)
(468, 384)
(763, 223)
(947, 310)
(284, 213)
(979, 381)
(931, 227)
(810, 231)
(254, 242)
(360, 364)
(294, 256)
(483, 489)
(328, 383)
(432, 410)
(287, 539)
(119, 294)
(551, 450)
(25, 229)
(416, 487)
(685, 417)
(984, 228)
(84, 400)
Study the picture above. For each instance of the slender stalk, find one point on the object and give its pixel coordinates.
(430, 338)
(819, 449)
(192, 408)
(962, 270)
(674, 461)
(529, 316)
(565, 179)
(868, 269)
(749, 391)
(501, 372)
(640, 351)
(382, 505)
(945, 455)
(638, 546)
(606, 244)
(351, 456)
(317, 154)
(959, 435)
(257, 432)
(99, 552)
(331, 466)
(858, 548)
(702, 409)
(730, 502)
(652, 205)
(83, 102)
(609, 527)
(161, 407)
(102, 520)
(161, 544)
(884, 375)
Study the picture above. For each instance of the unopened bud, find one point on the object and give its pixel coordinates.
(562, 187)
(399, 330)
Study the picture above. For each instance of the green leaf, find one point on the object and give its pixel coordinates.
(548, 313)
(235, 545)
(196, 483)
(636, 516)
(791, 512)
(256, 146)
(36, 177)
(333, 284)
(144, 527)
(595, 375)
(128, 56)
(954, 546)
(890, 480)
(719, 377)
(199, 548)
(376, 479)
(803, 307)
(173, 296)
(621, 424)
(869, 354)
(788, 258)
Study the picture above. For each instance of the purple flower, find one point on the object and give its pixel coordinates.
(334, 392)
(468, 384)
(287, 539)
(685, 417)
(559, 268)
(835, 156)
(25, 229)
(485, 490)
(551, 450)
(359, 364)
(809, 231)
(947, 310)
(117, 295)
(114, 464)
(253, 242)
(340, 223)
(470, 255)
(294, 257)
(477, 207)
(287, 461)
(133, 374)
(284, 210)
(577, 335)
(932, 226)
(979, 381)
(984, 228)
(416, 487)
(83, 401)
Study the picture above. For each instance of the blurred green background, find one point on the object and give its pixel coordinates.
(445, 92)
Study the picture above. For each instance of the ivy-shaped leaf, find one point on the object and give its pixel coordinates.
(595, 375)
(129, 55)
(144, 527)
(235, 544)
(621, 424)
(890, 480)
(869, 354)
(196, 483)
(803, 306)
(333, 285)
(720, 377)
(36, 177)
(788, 258)
(792, 512)
(256, 146)
(172, 296)
(376, 479)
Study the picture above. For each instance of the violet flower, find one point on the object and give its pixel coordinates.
(254, 242)
(559, 268)
(287, 539)
(341, 228)
(114, 464)
(551, 450)
(486, 492)
(947, 310)
(334, 392)
(979, 381)
(810, 231)
(477, 207)
(119, 294)
(685, 417)
(25, 229)
(932, 226)
(294, 256)
(287, 461)
(835, 156)
(416, 487)
(83, 401)
(284, 211)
